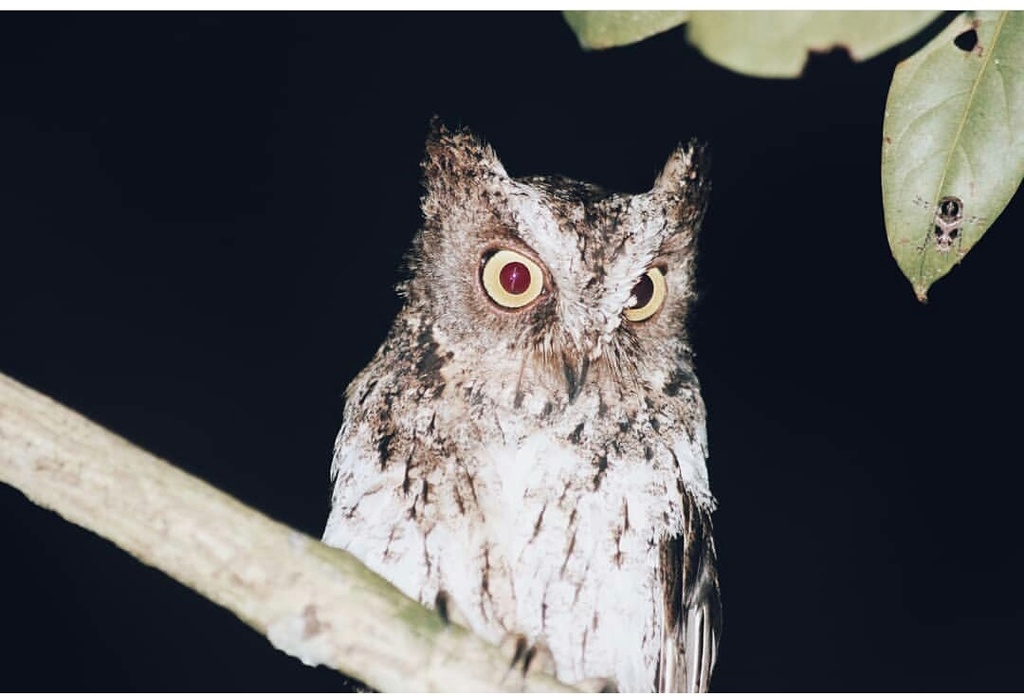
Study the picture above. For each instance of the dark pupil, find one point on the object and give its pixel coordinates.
(643, 291)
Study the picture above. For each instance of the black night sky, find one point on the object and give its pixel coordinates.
(201, 220)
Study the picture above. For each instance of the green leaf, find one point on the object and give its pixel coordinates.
(597, 29)
(776, 44)
(954, 127)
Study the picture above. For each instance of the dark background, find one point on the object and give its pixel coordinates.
(202, 217)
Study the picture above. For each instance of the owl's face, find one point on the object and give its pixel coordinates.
(567, 281)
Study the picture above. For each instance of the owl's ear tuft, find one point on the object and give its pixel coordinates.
(455, 166)
(457, 152)
(686, 168)
(684, 182)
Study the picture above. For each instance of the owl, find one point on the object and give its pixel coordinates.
(529, 442)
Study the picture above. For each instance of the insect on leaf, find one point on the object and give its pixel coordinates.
(777, 43)
(953, 142)
(597, 29)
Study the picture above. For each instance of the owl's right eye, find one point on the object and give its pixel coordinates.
(511, 280)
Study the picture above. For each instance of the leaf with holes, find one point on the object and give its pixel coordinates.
(596, 29)
(776, 44)
(953, 142)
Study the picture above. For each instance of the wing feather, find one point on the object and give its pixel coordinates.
(693, 609)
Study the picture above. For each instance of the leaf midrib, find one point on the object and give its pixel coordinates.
(963, 122)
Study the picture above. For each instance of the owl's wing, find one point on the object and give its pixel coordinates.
(693, 608)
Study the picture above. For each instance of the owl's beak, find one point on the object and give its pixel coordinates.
(575, 374)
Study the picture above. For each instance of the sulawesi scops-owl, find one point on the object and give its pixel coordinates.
(530, 438)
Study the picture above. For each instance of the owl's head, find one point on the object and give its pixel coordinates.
(561, 275)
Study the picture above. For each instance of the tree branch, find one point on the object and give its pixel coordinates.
(313, 602)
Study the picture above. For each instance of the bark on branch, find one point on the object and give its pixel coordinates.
(313, 602)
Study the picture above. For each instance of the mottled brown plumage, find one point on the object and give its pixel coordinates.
(530, 438)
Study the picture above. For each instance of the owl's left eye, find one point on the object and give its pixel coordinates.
(511, 280)
(648, 295)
